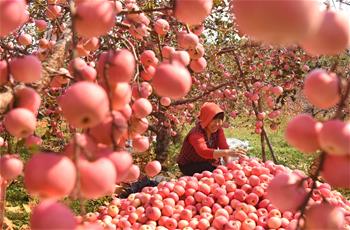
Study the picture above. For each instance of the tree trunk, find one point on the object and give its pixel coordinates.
(270, 146)
(262, 141)
(162, 145)
(3, 186)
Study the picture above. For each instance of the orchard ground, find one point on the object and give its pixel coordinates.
(18, 202)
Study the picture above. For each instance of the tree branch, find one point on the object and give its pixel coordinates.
(233, 48)
(125, 12)
(343, 99)
(255, 109)
(314, 177)
(5, 99)
(189, 100)
(153, 129)
(270, 146)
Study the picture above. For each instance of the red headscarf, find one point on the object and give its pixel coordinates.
(208, 111)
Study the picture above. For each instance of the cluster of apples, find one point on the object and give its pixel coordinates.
(272, 83)
(15, 14)
(42, 171)
(103, 109)
(189, 53)
(260, 89)
(268, 93)
(113, 93)
(86, 104)
(319, 32)
(121, 63)
(114, 70)
(49, 212)
(20, 120)
(245, 194)
(305, 133)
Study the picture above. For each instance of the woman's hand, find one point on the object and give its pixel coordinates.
(229, 153)
(236, 152)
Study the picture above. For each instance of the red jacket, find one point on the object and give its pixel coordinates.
(197, 147)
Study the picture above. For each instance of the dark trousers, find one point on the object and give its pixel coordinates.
(196, 167)
(140, 184)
